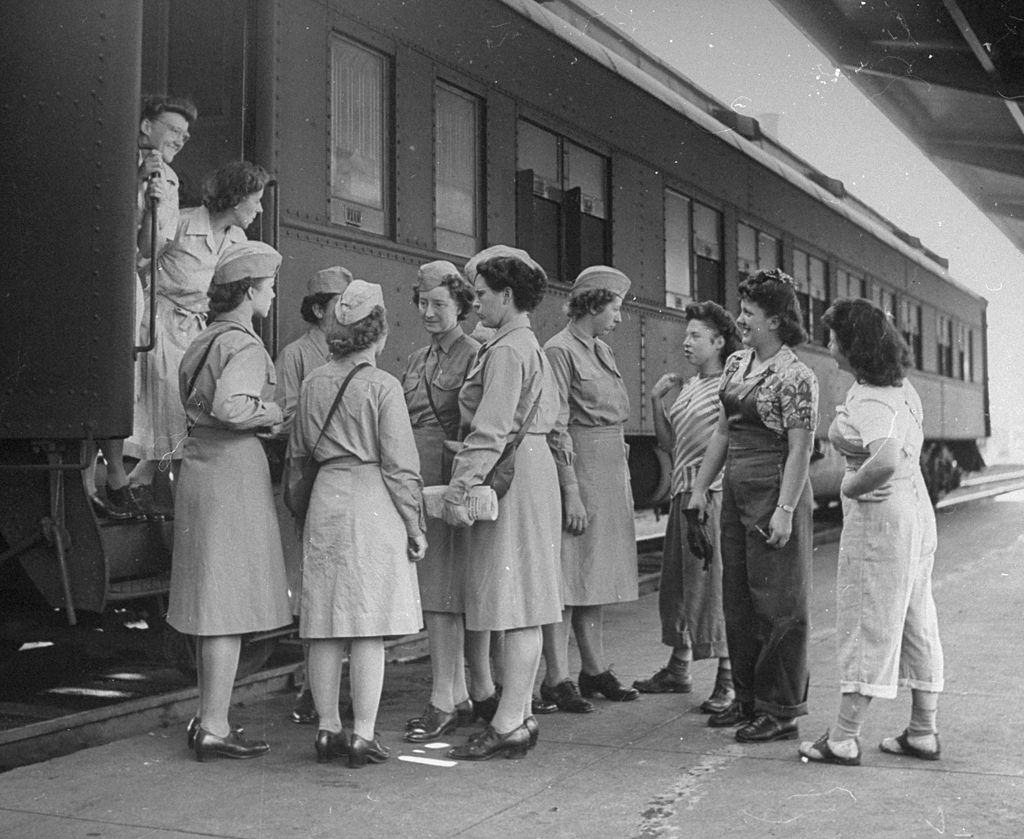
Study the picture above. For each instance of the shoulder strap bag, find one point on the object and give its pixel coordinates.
(500, 477)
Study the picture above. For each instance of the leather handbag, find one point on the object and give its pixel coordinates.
(504, 470)
(300, 473)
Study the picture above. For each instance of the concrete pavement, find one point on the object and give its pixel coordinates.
(650, 768)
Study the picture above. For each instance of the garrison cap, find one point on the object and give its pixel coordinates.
(357, 301)
(601, 276)
(333, 280)
(499, 252)
(432, 274)
(247, 260)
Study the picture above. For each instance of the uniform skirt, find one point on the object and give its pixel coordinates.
(441, 571)
(227, 571)
(357, 580)
(512, 570)
(599, 566)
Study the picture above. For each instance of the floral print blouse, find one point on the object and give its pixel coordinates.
(787, 395)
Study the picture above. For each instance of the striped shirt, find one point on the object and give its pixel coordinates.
(693, 417)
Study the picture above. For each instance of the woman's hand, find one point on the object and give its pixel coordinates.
(699, 502)
(780, 528)
(417, 547)
(157, 189)
(457, 515)
(665, 384)
(574, 513)
(875, 495)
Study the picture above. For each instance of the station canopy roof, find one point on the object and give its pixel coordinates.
(949, 74)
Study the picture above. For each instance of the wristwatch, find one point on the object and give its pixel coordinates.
(786, 507)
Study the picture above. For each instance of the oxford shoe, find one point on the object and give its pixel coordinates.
(362, 751)
(433, 724)
(233, 746)
(489, 743)
(766, 728)
(608, 685)
(331, 744)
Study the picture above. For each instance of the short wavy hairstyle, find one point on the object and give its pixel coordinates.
(461, 293)
(774, 292)
(232, 183)
(589, 302)
(528, 284)
(321, 298)
(345, 339)
(154, 105)
(715, 317)
(226, 297)
(870, 341)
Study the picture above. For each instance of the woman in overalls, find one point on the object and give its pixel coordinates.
(765, 436)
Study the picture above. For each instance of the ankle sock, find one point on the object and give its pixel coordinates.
(853, 708)
(679, 667)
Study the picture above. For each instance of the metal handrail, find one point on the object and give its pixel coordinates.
(138, 350)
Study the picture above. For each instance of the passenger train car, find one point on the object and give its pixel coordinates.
(398, 133)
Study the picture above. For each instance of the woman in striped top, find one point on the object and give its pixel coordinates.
(690, 597)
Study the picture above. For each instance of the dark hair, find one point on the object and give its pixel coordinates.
(321, 298)
(774, 292)
(714, 316)
(153, 106)
(870, 341)
(345, 339)
(461, 293)
(527, 283)
(227, 296)
(588, 302)
(232, 183)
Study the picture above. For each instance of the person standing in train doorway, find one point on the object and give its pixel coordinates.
(765, 436)
(690, 592)
(163, 131)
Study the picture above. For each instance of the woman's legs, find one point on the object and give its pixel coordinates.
(217, 663)
(325, 659)
(522, 658)
(588, 627)
(478, 659)
(555, 647)
(366, 680)
(444, 637)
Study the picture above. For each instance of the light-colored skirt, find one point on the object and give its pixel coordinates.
(600, 565)
(357, 580)
(227, 571)
(887, 627)
(441, 572)
(513, 578)
(159, 420)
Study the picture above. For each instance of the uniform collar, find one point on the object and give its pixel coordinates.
(520, 321)
(236, 317)
(446, 340)
(587, 340)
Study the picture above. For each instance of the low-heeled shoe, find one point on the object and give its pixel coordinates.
(485, 709)
(488, 743)
(664, 681)
(331, 744)
(533, 729)
(193, 728)
(433, 724)
(304, 711)
(608, 685)
(738, 713)
(820, 752)
(543, 706)
(362, 751)
(721, 698)
(766, 728)
(464, 712)
(234, 745)
(567, 697)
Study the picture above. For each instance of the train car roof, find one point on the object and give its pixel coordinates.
(623, 56)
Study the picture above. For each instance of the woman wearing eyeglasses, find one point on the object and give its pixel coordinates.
(185, 266)
(765, 435)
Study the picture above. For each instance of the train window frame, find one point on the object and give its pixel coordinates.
(761, 240)
(347, 210)
(463, 243)
(693, 269)
(551, 205)
(813, 289)
(845, 278)
(944, 344)
(909, 324)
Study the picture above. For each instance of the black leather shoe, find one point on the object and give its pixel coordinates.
(664, 681)
(721, 698)
(362, 751)
(331, 744)
(765, 728)
(542, 706)
(488, 743)
(433, 724)
(234, 745)
(567, 697)
(147, 504)
(485, 709)
(105, 508)
(608, 685)
(193, 728)
(464, 712)
(533, 729)
(738, 713)
(304, 712)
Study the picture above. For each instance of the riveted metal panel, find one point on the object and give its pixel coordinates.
(69, 94)
(414, 148)
(501, 169)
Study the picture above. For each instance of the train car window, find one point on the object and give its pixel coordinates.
(963, 348)
(811, 277)
(944, 342)
(850, 285)
(756, 250)
(457, 171)
(678, 251)
(768, 252)
(561, 202)
(909, 324)
(360, 136)
(707, 248)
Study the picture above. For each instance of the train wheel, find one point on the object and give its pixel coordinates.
(180, 650)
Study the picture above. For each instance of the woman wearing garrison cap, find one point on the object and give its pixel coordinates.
(432, 379)
(227, 578)
(598, 540)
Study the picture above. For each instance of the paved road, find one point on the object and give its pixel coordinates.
(650, 768)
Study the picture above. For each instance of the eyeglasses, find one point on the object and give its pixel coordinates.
(180, 133)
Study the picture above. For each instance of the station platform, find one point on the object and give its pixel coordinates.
(650, 768)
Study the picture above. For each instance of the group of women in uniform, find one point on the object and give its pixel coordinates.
(562, 544)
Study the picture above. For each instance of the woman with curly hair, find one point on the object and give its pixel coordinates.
(598, 552)
(184, 268)
(364, 528)
(765, 435)
(887, 627)
(512, 574)
(227, 578)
